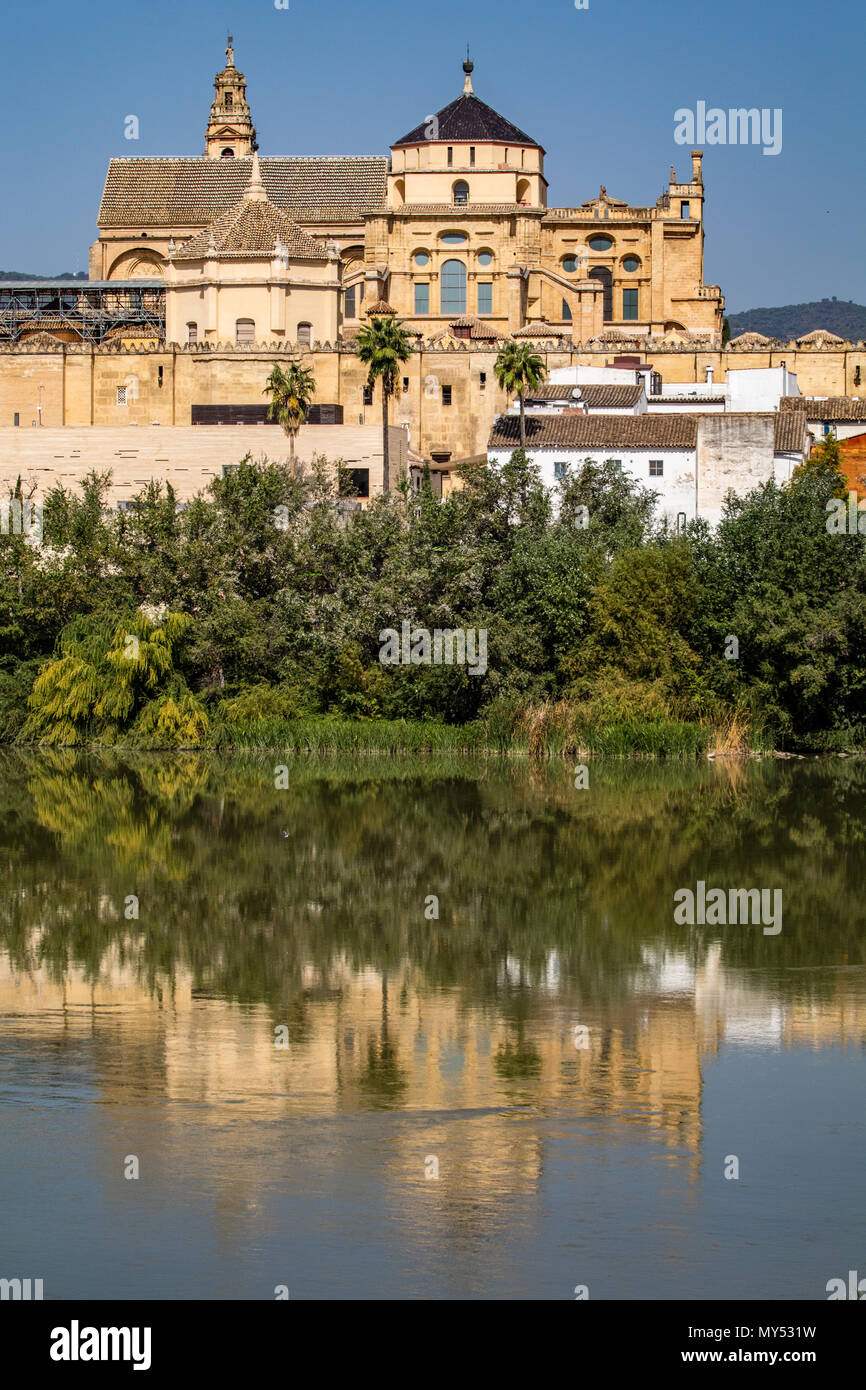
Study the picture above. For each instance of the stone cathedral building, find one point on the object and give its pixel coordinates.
(454, 226)
(207, 270)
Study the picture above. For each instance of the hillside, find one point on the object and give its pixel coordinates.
(25, 275)
(788, 321)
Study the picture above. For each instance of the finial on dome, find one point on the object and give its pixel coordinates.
(468, 68)
(255, 189)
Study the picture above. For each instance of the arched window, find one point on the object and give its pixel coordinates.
(192, 334)
(453, 288)
(523, 190)
(227, 154)
(305, 335)
(461, 191)
(229, 101)
(566, 312)
(602, 273)
(245, 332)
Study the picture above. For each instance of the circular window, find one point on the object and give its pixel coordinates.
(570, 264)
(421, 258)
(485, 257)
(631, 263)
(600, 243)
(454, 238)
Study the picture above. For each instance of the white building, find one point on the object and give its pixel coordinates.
(692, 462)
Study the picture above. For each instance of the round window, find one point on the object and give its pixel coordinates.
(421, 258)
(631, 263)
(570, 264)
(485, 257)
(600, 243)
(454, 238)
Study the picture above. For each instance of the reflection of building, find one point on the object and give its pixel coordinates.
(461, 1081)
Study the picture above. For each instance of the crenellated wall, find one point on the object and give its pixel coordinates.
(119, 386)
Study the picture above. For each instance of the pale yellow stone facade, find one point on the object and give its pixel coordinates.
(455, 234)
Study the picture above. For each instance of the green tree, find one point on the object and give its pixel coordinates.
(106, 683)
(290, 390)
(519, 369)
(383, 345)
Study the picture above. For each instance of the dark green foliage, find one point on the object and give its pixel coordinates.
(604, 630)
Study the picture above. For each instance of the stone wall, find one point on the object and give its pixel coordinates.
(80, 383)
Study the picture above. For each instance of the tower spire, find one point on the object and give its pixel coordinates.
(230, 132)
(468, 68)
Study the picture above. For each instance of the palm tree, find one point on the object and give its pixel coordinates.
(383, 344)
(518, 369)
(290, 393)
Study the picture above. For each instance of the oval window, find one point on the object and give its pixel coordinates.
(485, 257)
(631, 263)
(600, 243)
(421, 258)
(570, 264)
(454, 238)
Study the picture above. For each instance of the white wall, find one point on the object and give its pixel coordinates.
(676, 487)
(759, 388)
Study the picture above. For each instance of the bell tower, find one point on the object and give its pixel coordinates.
(230, 131)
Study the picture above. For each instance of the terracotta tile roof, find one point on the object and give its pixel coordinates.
(538, 331)
(252, 228)
(790, 432)
(550, 392)
(596, 432)
(478, 328)
(381, 309)
(602, 397)
(750, 339)
(611, 397)
(833, 408)
(468, 118)
(194, 192)
(820, 337)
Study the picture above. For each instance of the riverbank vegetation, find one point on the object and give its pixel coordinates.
(251, 617)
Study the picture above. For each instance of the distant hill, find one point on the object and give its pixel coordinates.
(25, 275)
(840, 316)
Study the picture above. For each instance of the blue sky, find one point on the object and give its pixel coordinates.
(597, 87)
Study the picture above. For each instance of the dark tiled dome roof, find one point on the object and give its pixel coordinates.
(468, 118)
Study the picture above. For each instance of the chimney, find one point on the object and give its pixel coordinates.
(697, 156)
(709, 371)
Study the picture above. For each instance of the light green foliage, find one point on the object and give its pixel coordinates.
(111, 686)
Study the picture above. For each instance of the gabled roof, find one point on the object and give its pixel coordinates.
(538, 330)
(833, 408)
(594, 397)
(193, 192)
(577, 431)
(468, 118)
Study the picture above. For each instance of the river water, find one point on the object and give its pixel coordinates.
(429, 1028)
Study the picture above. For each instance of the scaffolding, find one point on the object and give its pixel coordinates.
(89, 308)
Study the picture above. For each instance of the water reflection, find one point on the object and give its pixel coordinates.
(461, 1038)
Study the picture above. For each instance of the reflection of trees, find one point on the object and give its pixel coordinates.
(246, 886)
(383, 1080)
